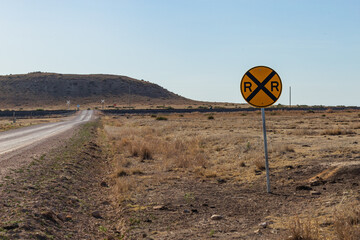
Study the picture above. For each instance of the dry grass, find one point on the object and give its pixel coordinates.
(337, 131)
(304, 229)
(259, 163)
(347, 222)
(282, 149)
(191, 141)
(132, 144)
(303, 131)
(231, 147)
(145, 153)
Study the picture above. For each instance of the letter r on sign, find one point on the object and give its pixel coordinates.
(247, 85)
(274, 85)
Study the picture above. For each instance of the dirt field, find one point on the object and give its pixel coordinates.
(198, 176)
(192, 176)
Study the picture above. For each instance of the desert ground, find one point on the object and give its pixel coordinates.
(192, 176)
(198, 176)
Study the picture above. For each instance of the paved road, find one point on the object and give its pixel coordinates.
(22, 137)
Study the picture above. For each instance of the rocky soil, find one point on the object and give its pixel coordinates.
(60, 195)
(193, 208)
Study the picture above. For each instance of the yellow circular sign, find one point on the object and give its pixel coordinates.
(261, 86)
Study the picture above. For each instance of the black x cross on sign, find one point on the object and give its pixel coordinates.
(261, 86)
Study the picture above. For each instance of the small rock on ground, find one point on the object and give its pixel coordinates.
(216, 217)
(96, 214)
(64, 217)
(264, 224)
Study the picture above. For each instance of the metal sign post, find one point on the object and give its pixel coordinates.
(261, 87)
(266, 152)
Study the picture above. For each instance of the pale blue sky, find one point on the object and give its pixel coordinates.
(199, 49)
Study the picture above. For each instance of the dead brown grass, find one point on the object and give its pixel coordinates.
(303, 131)
(132, 144)
(231, 147)
(282, 149)
(347, 221)
(146, 153)
(259, 163)
(304, 229)
(337, 131)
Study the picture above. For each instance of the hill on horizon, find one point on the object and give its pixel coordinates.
(53, 89)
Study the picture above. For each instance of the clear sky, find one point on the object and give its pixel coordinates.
(199, 49)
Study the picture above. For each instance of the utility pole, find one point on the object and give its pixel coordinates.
(129, 97)
(290, 96)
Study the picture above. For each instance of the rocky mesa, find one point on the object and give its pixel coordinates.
(39, 89)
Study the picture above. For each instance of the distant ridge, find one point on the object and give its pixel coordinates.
(50, 89)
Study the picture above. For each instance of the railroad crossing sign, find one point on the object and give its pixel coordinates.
(261, 86)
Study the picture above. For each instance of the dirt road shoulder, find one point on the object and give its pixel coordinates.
(60, 195)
